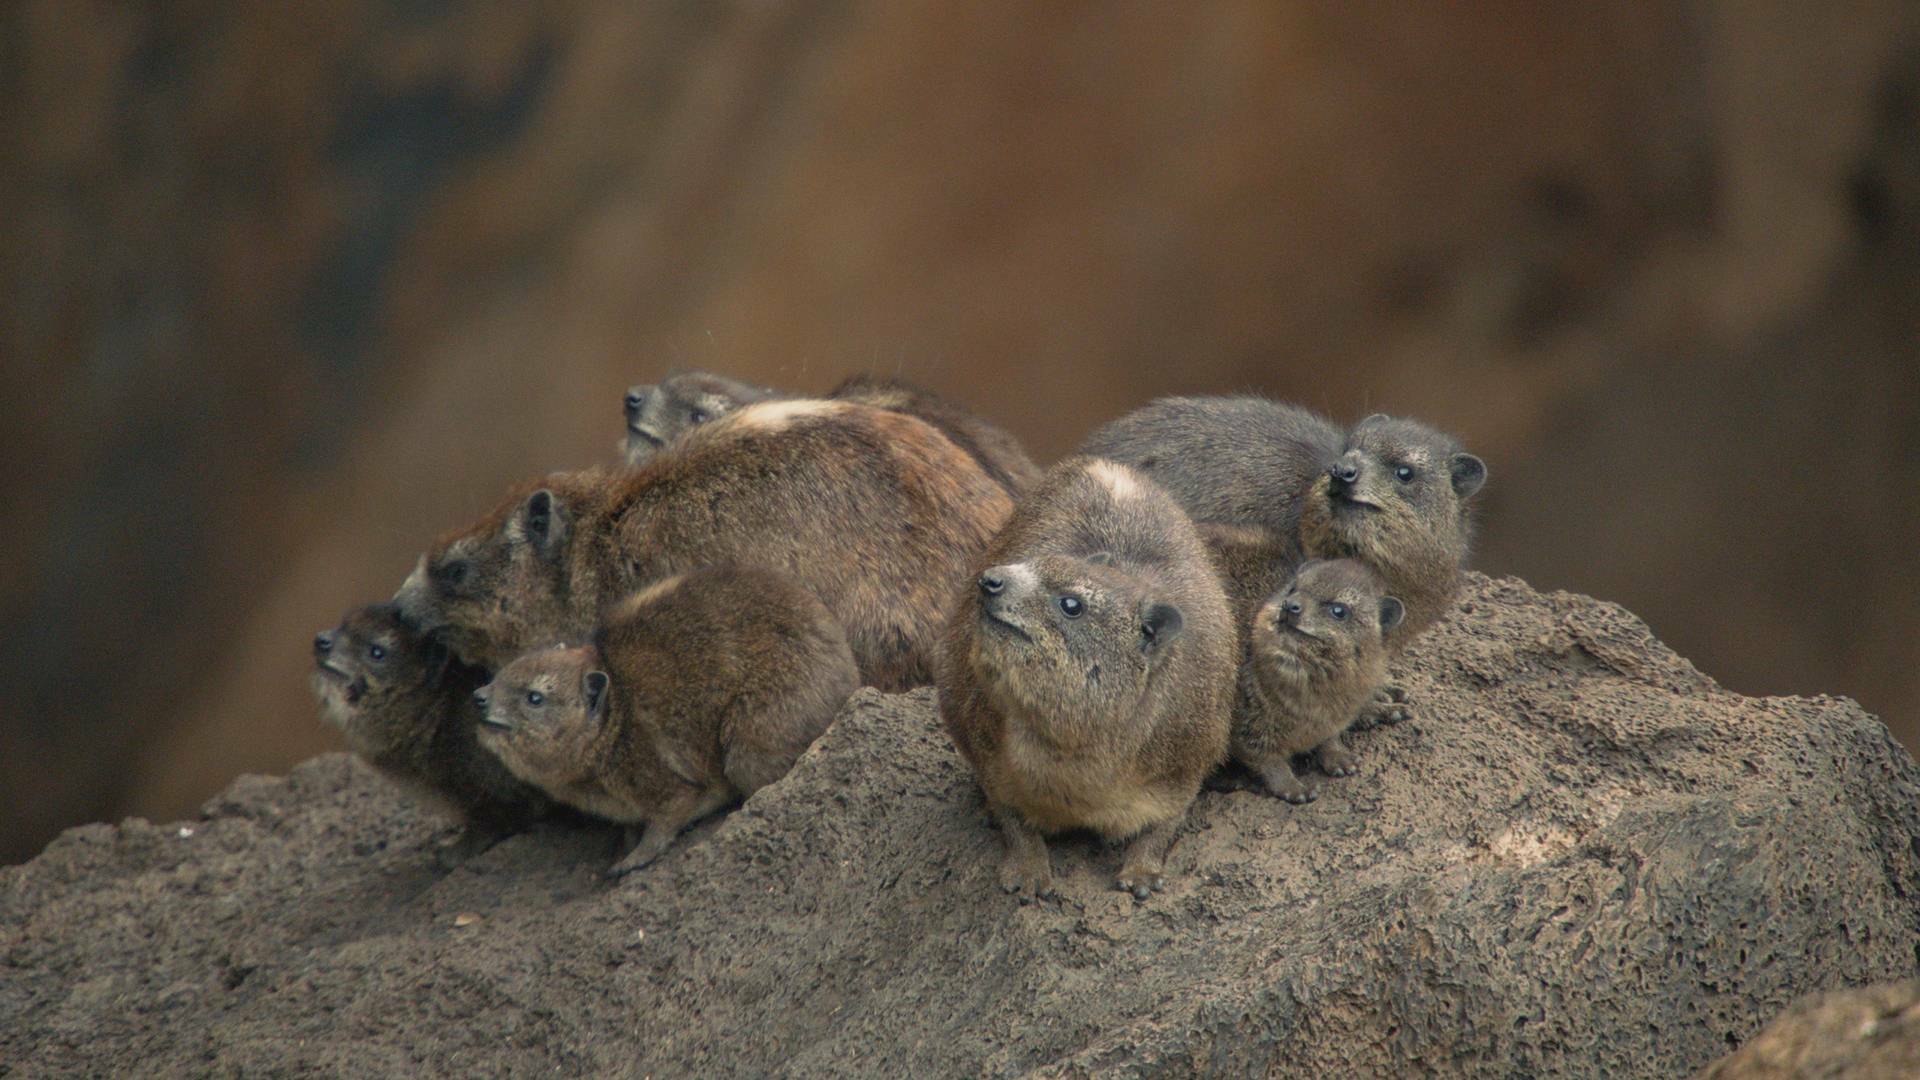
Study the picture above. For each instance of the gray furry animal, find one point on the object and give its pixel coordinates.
(1316, 656)
(661, 413)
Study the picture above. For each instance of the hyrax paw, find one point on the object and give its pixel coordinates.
(1026, 879)
(1298, 794)
(1343, 767)
(1141, 883)
(1391, 705)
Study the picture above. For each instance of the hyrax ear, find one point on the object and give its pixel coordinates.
(594, 686)
(1159, 624)
(545, 525)
(1392, 611)
(1101, 558)
(1374, 419)
(1469, 473)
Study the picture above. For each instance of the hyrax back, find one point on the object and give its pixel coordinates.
(406, 708)
(876, 513)
(993, 447)
(1316, 654)
(698, 691)
(1232, 460)
(660, 413)
(1089, 670)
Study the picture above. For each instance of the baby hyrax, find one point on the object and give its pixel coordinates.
(1089, 671)
(1316, 654)
(406, 708)
(661, 413)
(697, 692)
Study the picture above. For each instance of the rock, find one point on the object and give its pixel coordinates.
(1581, 857)
(1870, 1034)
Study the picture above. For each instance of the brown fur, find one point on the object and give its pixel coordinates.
(876, 513)
(410, 714)
(993, 447)
(1107, 721)
(699, 691)
(1316, 655)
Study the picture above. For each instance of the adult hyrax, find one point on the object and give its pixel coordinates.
(1390, 492)
(1316, 654)
(697, 692)
(993, 447)
(874, 512)
(1089, 671)
(660, 413)
(406, 708)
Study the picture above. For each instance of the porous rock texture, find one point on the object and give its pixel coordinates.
(1582, 857)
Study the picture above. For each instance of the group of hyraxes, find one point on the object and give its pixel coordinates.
(1211, 580)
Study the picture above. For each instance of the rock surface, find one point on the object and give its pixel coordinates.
(1582, 857)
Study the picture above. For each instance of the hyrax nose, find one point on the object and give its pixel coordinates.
(1292, 607)
(992, 584)
(635, 399)
(323, 643)
(480, 697)
(1342, 474)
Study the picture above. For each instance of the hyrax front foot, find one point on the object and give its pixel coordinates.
(1143, 871)
(1026, 874)
(1336, 759)
(1390, 705)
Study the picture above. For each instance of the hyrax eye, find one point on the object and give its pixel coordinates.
(1338, 611)
(698, 416)
(1404, 473)
(454, 573)
(377, 652)
(1072, 607)
(536, 698)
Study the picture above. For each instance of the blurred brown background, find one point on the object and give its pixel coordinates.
(287, 289)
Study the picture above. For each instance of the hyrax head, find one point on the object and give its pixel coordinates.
(370, 665)
(545, 715)
(1333, 615)
(661, 413)
(1071, 636)
(1397, 493)
(499, 587)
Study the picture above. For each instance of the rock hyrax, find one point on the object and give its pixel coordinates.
(406, 708)
(1392, 493)
(876, 513)
(660, 413)
(1316, 654)
(993, 447)
(699, 691)
(1089, 671)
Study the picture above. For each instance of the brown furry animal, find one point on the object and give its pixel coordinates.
(699, 691)
(406, 708)
(1316, 654)
(1089, 668)
(661, 413)
(876, 513)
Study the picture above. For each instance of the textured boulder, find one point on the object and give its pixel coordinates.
(1582, 857)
